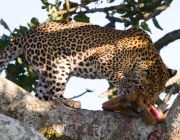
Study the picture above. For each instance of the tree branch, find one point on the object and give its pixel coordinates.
(130, 6)
(160, 8)
(106, 93)
(149, 5)
(168, 38)
(87, 90)
(61, 12)
(174, 79)
(79, 124)
(68, 10)
(16, 130)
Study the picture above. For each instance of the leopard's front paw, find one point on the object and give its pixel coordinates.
(65, 101)
(72, 104)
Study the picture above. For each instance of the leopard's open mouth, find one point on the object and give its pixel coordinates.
(137, 86)
(140, 89)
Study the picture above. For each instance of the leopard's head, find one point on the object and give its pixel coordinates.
(152, 76)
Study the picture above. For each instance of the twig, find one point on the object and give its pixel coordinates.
(164, 104)
(68, 10)
(62, 12)
(158, 5)
(87, 90)
(109, 92)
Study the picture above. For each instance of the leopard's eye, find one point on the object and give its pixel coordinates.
(146, 73)
(145, 76)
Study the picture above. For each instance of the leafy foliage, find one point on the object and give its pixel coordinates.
(4, 24)
(4, 41)
(19, 71)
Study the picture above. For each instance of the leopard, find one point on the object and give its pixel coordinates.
(58, 50)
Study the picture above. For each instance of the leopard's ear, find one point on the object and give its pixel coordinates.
(171, 72)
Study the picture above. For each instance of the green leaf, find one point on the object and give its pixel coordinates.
(3, 44)
(111, 97)
(34, 21)
(128, 15)
(9, 69)
(81, 18)
(19, 60)
(16, 33)
(51, 9)
(59, 3)
(4, 41)
(120, 11)
(44, 2)
(43, 7)
(59, 18)
(145, 26)
(5, 25)
(73, 4)
(145, 1)
(30, 71)
(53, 17)
(158, 101)
(157, 24)
(5, 37)
(110, 1)
(23, 29)
(136, 23)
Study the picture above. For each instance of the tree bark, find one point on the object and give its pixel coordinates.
(11, 129)
(168, 38)
(174, 79)
(60, 121)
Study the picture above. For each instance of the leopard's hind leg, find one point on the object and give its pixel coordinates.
(42, 92)
(56, 80)
(46, 92)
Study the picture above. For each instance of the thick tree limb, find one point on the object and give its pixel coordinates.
(80, 124)
(16, 130)
(174, 79)
(172, 125)
(165, 40)
(168, 38)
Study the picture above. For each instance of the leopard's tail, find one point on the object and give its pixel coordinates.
(10, 52)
